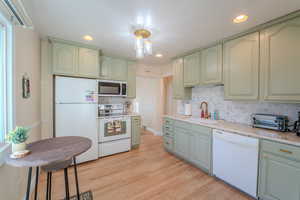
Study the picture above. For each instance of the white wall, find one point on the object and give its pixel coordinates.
(27, 111)
(149, 94)
(149, 99)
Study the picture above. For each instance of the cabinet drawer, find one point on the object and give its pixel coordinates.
(285, 150)
(168, 133)
(168, 143)
(168, 121)
(168, 128)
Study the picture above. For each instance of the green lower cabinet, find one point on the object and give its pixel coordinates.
(200, 150)
(182, 143)
(179, 91)
(135, 131)
(279, 176)
(192, 143)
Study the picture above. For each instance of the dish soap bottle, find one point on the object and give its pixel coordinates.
(216, 115)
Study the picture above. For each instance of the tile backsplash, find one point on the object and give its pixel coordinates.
(235, 111)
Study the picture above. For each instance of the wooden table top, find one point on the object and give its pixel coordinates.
(47, 151)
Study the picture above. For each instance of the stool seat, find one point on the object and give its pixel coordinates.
(57, 166)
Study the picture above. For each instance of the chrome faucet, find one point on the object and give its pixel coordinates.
(204, 113)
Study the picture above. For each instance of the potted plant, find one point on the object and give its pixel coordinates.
(17, 138)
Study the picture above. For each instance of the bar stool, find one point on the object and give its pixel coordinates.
(56, 167)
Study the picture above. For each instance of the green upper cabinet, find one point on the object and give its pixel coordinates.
(179, 92)
(212, 65)
(131, 82)
(241, 68)
(65, 59)
(88, 62)
(119, 70)
(68, 59)
(191, 70)
(113, 69)
(280, 62)
(279, 172)
(105, 72)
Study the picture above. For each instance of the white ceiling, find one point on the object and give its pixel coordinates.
(181, 25)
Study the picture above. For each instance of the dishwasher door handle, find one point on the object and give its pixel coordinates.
(243, 144)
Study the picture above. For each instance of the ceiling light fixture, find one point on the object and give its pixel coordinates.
(159, 55)
(240, 19)
(88, 37)
(143, 45)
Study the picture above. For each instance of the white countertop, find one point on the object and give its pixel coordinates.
(241, 129)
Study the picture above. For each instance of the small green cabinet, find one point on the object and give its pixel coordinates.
(279, 176)
(64, 58)
(191, 70)
(182, 142)
(135, 131)
(105, 67)
(179, 91)
(131, 82)
(113, 69)
(119, 69)
(200, 147)
(241, 68)
(89, 64)
(212, 65)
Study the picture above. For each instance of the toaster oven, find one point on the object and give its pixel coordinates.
(269, 121)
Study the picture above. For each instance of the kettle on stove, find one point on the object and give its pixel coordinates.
(297, 125)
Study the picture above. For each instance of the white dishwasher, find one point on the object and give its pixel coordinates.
(235, 160)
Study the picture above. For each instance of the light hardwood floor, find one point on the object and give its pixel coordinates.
(145, 173)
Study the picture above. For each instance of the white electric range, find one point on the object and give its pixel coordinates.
(114, 129)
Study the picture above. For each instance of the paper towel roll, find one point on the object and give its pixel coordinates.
(187, 109)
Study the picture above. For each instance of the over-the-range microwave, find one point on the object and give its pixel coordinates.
(112, 88)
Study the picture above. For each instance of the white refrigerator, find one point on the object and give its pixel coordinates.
(76, 111)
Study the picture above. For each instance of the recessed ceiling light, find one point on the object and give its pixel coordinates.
(159, 55)
(240, 19)
(88, 37)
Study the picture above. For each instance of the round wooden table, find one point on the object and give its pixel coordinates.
(49, 151)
